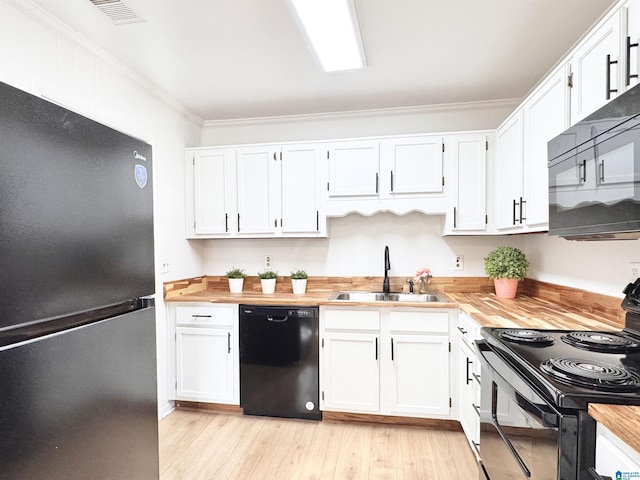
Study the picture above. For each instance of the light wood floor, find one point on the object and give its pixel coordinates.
(213, 446)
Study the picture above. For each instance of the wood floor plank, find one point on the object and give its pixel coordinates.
(213, 446)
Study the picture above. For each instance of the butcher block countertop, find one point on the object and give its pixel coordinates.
(538, 305)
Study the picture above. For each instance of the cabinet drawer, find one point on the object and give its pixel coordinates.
(420, 321)
(210, 316)
(351, 319)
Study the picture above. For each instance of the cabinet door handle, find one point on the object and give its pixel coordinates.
(228, 342)
(200, 316)
(602, 171)
(317, 220)
(608, 86)
(226, 222)
(377, 181)
(454, 217)
(469, 362)
(238, 222)
(462, 330)
(476, 408)
(522, 202)
(477, 377)
(376, 348)
(582, 172)
(515, 204)
(392, 180)
(392, 349)
(596, 475)
(629, 75)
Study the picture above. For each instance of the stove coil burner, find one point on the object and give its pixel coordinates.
(530, 337)
(600, 342)
(592, 374)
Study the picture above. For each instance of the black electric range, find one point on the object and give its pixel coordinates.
(536, 387)
(574, 368)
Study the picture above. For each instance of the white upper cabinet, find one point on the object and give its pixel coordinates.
(257, 185)
(632, 50)
(508, 182)
(597, 67)
(212, 181)
(467, 155)
(396, 174)
(301, 198)
(255, 191)
(413, 165)
(521, 178)
(354, 169)
(544, 118)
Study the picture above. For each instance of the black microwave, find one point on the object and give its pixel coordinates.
(594, 174)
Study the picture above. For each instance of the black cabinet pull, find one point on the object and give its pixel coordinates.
(629, 75)
(392, 349)
(376, 348)
(608, 86)
(477, 377)
(200, 316)
(454, 217)
(228, 342)
(469, 362)
(392, 180)
(596, 475)
(238, 222)
(377, 181)
(522, 202)
(583, 176)
(462, 330)
(476, 408)
(602, 171)
(515, 204)
(226, 222)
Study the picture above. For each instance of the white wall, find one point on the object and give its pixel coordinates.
(601, 267)
(356, 247)
(40, 55)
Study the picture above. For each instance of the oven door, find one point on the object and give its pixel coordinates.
(521, 433)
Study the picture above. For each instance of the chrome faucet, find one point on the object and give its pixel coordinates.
(387, 267)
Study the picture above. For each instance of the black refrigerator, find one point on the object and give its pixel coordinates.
(78, 385)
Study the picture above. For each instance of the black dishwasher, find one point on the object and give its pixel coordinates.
(279, 361)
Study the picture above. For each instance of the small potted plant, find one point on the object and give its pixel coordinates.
(268, 281)
(236, 278)
(506, 266)
(299, 282)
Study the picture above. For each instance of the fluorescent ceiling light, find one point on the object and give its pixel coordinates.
(332, 28)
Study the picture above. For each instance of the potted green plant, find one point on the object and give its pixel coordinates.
(236, 278)
(299, 281)
(268, 281)
(506, 266)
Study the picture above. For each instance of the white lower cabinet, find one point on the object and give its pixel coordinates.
(207, 357)
(385, 361)
(469, 381)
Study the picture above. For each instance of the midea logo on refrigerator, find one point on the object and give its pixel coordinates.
(137, 156)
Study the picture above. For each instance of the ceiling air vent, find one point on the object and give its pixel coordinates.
(117, 11)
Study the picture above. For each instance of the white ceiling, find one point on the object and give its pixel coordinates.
(227, 59)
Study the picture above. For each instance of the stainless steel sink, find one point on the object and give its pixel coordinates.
(386, 297)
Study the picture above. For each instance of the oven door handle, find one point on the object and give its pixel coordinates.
(503, 435)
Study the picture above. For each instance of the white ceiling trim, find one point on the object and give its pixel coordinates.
(369, 113)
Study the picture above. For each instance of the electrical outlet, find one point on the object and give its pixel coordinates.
(634, 270)
(267, 261)
(165, 265)
(458, 262)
